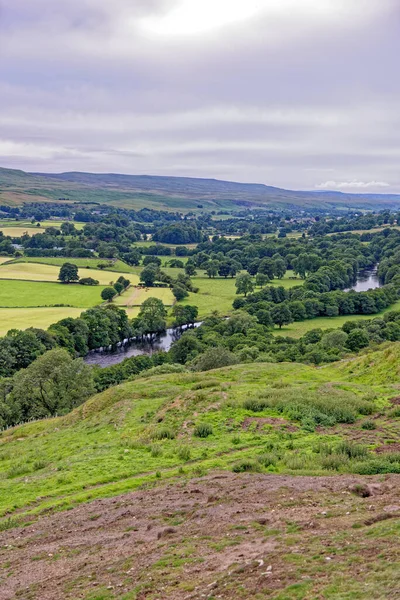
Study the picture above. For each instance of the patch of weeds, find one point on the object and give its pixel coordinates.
(269, 459)
(156, 451)
(245, 466)
(183, 453)
(163, 433)
(203, 430)
(333, 462)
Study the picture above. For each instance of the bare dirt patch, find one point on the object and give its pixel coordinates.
(210, 537)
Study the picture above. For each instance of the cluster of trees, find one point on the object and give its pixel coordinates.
(179, 233)
(53, 384)
(95, 328)
(276, 305)
(181, 285)
(353, 222)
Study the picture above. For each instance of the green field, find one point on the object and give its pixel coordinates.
(119, 266)
(135, 296)
(219, 293)
(43, 272)
(15, 294)
(23, 318)
(299, 328)
(6, 224)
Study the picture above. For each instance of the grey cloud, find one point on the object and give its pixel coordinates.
(278, 99)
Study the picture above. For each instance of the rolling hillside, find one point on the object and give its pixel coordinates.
(254, 481)
(173, 193)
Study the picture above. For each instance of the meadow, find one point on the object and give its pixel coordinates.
(136, 296)
(91, 263)
(44, 272)
(252, 417)
(22, 318)
(19, 231)
(31, 294)
(299, 328)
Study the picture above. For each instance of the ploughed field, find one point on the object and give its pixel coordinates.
(253, 481)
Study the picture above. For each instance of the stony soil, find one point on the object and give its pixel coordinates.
(222, 536)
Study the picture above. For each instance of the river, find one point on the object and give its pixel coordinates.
(366, 280)
(135, 348)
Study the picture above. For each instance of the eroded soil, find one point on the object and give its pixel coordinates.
(222, 536)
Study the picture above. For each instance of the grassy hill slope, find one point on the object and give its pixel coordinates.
(267, 417)
(219, 495)
(172, 193)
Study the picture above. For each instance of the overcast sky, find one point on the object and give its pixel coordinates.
(302, 94)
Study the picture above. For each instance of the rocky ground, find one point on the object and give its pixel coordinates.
(222, 536)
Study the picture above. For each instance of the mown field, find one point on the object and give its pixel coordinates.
(19, 231)
(43, 272)
(22, 318)
(14, 294)
(8, 225)
(92, 263)
(136, 296)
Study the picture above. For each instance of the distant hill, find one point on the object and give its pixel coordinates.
(174, 193)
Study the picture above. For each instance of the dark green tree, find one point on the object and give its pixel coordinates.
(68, 273)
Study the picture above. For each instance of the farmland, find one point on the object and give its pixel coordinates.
(136, 296)
(35, 294)
(44, 272)
(22, 318)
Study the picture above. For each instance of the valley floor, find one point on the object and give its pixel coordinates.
(248, 536)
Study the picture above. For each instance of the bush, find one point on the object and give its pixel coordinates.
(352, 450)
(255, 404)
(333, 462)
(268, 460)
(369, 425)
(246, 466)
(214, 358)
(203, 430)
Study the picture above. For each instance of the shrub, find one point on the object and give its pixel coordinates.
(352, 450)
(255, 404)
(246, 466)
(203, 430)
(369, 425)
(376, 467)
(214, 358)
(268, 460)
(296, 462)
(333, 462)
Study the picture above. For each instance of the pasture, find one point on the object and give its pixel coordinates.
(299, 328)
(22, 318)
(135, 296)
(43, 272)
(18, 294)
(85, 263)
(219, 293)
(19, 231)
